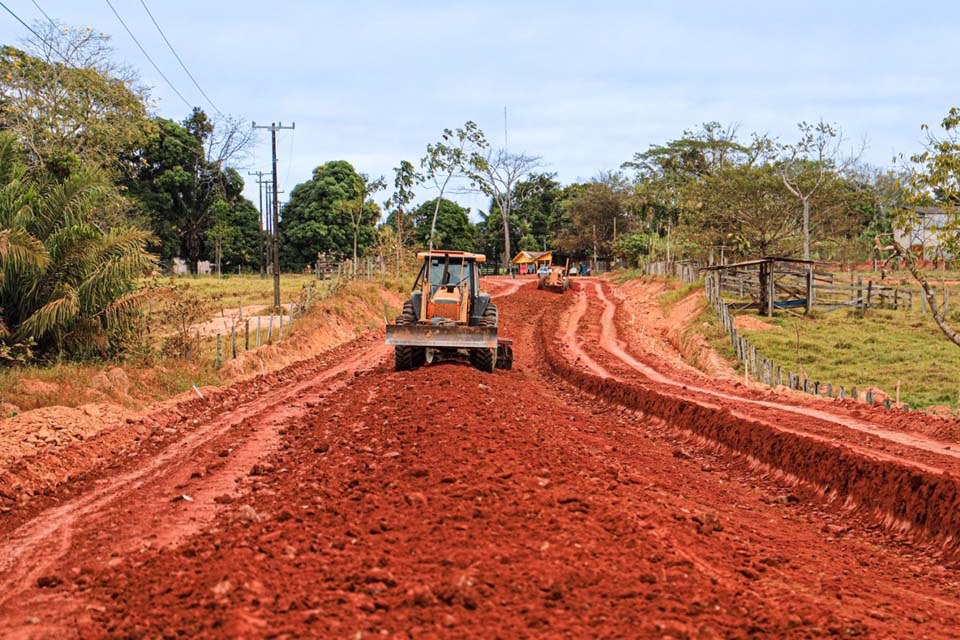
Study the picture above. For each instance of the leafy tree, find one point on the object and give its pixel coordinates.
(447, 223)
(362, 208)
(806, 165)
(458, 155)
(405, 177)
(317, 219)
(69, 104)
(66, 284)
(746, 209)
(597, 212)
(177, 187)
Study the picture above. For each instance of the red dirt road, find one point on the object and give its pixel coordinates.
(599, 489)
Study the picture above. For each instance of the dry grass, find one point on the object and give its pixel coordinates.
(154, 375)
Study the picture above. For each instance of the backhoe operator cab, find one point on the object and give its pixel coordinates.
(448, 314)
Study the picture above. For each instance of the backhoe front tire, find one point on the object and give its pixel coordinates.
(403, 358)
(486, 359)
(407, 358)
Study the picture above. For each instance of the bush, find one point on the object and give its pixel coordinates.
(68, 286)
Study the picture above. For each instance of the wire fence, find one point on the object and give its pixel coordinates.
(755, 364)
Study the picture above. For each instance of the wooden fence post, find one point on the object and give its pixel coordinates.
(809, 290)
(854, 394)
(233, 340)
(270, 330)
(219, 350)
(258, 332)
(246, 334)
(869, 292)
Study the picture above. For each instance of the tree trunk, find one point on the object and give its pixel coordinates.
(356, 232)
(806, 229)
(506, 239)
(399, 237)
(433, 224)
(936, 310)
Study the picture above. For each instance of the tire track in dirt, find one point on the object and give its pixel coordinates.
(444, 502)
(906, 491)
(609, 341)
(146, 503)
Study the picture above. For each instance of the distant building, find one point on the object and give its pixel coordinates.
(923, 236)
(530, 261)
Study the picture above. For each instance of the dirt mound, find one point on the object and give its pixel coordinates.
(329, 325)
(751, 323)
(45, 447)
(33, 387)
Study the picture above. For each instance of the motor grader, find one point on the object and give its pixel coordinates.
(557, 279)
(447, 316)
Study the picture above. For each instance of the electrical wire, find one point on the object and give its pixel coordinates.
(31, 30)
(177, 56)
(147, 55)
(286, 178)
(40, 9)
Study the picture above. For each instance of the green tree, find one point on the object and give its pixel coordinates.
(316, 218)
(405, 178)
(458, 155)
(81, 110)
(934, 179)
(597, 212)
(363, 211)
(177, 188)
(809, 163)
(447, 223)
(66, 284)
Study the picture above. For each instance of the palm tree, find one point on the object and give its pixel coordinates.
(68, 286)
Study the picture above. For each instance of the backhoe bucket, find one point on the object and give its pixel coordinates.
(455, 337)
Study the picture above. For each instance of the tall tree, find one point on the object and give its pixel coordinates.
(315, 220)
(178, 186)
(362, 207)
(70, 104)
(597, 212)
(806, 165)
(405, 176)
(497, 175)
(458, 155)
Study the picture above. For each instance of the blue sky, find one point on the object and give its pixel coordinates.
(586, 84)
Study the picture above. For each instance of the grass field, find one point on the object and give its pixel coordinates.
(233, 290)
(876, 348)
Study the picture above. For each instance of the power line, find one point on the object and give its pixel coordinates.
(175, 55)
(30, 29)
(40, 9)
(147, 55)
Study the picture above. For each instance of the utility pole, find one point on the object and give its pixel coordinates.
(274, 127)
(263, 234)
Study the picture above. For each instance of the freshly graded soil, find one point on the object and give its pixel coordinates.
(599, 489)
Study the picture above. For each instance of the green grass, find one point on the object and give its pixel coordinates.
(233, 290)
(874, 348)
(674, 296)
